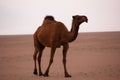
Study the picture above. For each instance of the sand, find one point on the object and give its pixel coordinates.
(92, 56)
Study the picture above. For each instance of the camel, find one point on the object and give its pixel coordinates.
(54, 34)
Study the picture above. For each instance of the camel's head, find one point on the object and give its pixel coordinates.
(80, 19)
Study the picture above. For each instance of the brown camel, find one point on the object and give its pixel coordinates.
(55, 34)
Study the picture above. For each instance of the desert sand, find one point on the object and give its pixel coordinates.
(92, 56)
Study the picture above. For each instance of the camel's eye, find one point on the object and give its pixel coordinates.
(79, 19)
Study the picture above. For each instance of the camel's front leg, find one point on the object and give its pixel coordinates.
(65, 48)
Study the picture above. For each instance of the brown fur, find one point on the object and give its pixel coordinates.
(55, 34)
(49, 18)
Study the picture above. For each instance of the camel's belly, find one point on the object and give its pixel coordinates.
(45, 42)
(49, 42)
(47, 37)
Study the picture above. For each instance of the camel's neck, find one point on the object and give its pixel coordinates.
(74, 31)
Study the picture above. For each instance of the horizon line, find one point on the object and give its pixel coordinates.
(78, 32)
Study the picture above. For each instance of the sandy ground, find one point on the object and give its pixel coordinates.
(93, 56)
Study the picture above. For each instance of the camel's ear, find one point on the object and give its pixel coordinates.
(73, 17)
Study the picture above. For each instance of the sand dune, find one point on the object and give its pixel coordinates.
(93, 56)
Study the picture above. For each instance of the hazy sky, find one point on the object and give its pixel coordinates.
(24, 16)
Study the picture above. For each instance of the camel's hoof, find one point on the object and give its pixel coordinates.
(35, 72)
(45, 75)
(41, 74)
(68, 76)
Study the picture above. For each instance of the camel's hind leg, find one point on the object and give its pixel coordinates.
(41, 48)
(34, 57)
(50, 62)
(38, 49)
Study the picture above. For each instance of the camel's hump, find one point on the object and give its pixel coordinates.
(49, 17)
